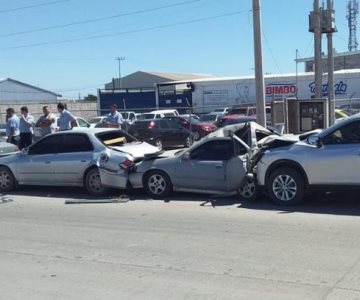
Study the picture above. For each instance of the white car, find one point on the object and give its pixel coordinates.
(286, 169)
(158, 114)
(79, 122)
(96, 120)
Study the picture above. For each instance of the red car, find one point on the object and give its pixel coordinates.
(198, 128)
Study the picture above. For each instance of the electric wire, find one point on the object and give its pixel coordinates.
(32, 6)
(124, 32)
(94, 20)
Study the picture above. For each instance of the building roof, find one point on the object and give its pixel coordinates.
(29, 86)
(266, 76)
(142, 79)
(340, 54)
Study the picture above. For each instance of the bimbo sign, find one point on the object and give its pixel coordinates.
(285, 89)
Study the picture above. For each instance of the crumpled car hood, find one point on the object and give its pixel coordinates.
(138, 150)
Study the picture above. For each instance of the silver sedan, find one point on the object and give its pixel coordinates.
(71, 158)
(216, 164)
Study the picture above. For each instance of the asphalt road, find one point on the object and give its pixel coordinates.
(186, 248)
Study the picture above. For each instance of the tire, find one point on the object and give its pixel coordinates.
(188, 142)
(93, 183)
(248, 189)
(197, 135)
(7, 180)
(159, 144)
(286, 186)
(157, 184)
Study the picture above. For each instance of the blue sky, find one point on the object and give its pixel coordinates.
(71, 46)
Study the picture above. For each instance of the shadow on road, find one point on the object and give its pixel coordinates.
(336, 203)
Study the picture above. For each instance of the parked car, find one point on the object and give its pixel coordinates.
(249, 111)
(7, 149)
(223, 111)
(79, 122)
(233, 119)
(211, 118)
(286, 169)
(164, 132)
(190, 117)
(96, 120)
(157, 114)
(71, 158)
(199, 129)
(216, 164)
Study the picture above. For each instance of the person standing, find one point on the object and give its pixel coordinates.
(66, 119)
(114, 118)
(12, 127)
(46, 122)
(26, 128)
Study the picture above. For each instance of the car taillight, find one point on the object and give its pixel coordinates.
(152, 124)
(127, 164)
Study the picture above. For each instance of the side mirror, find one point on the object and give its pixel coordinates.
(315, 140)
(186, 156)
(24, 151)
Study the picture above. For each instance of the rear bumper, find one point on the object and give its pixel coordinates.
(116, 179)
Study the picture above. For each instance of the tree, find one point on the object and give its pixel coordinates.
(90, 97)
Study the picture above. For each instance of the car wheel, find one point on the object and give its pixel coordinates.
(188, 142)
(159, 144)
(7, 180)
(248, 189)
(157, 184)
(286, 186)
(93, 183)
(197, 135)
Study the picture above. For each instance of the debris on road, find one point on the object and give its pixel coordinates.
(121, 199)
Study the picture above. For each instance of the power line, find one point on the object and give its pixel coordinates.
(125, 32)
(32, 6)
(98, 19)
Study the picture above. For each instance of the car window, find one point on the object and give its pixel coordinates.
(48, 145)
(75, 143)
(214, 150)
(261, 134)
(348, 134)
(82, 122)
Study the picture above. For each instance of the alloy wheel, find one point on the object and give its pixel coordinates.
(284, 187)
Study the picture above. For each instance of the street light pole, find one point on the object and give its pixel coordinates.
(119, 59)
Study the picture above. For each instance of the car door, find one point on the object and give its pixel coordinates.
(206, 166)
(74, 156)
(337, 161)
(166, 132)
(177, 132)
(36, 167)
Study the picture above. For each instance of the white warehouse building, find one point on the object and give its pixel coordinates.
(13, 91)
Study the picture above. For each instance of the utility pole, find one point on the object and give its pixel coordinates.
(296, 71)
(317, 49)
(259, 75)
(119, 59)
(330, 28)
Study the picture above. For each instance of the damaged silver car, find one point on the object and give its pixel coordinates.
(71, 158)
(217, 164)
